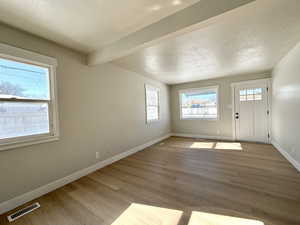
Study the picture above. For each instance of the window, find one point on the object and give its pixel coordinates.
(27, 99)
(199, 103)
(254, 94)
(152, 103)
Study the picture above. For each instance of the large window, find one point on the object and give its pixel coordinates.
(199, 103)
(27, 100)
(152, 103)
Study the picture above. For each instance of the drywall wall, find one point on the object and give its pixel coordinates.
(215, 128)
(100, 109)
(286, 104)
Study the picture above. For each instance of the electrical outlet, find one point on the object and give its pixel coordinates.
(97, 155)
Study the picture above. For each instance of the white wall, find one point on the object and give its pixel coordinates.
(100, 109)
(286, 104)
(222, 127)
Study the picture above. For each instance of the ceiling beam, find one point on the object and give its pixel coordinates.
(194, 17)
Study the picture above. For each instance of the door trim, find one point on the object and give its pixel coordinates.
(268, 81)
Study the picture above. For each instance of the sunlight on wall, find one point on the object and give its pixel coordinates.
(217, 145)
(138, 214)
(201, 218)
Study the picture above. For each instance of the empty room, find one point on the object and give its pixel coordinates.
(150, 112)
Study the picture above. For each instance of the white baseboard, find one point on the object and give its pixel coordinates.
(20, 200)
(286, 155)
(203, 136)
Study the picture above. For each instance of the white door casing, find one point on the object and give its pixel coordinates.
(251, 110)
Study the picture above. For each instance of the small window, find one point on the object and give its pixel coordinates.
(27, 102)
(251, 94)
(152, 103)
(199, 103)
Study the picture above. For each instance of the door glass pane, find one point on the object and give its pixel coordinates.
(258, 94)
(250, 95)
(243, 92)
(243, 95)
(250, 91)
(22, 119)
(20, 80)
(243, 98)
(258, 97)
(258, 91)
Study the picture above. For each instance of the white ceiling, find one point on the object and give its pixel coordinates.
(86, 25)
(251, 39)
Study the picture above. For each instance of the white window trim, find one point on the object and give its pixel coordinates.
(21, 55)
(146, 104)
(200, 89)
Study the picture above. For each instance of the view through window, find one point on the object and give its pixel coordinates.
(24, 99)
(253, 94)
(199, 103)
(152, 103)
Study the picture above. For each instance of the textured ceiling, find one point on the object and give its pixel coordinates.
(86, 25)
(251, 39)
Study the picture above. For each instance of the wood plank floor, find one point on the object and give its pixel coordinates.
(180, 181)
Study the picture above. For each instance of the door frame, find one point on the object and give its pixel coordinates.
(268, 81)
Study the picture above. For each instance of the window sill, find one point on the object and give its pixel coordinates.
(28, 142)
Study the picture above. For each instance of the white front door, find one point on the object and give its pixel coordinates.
(252, 111)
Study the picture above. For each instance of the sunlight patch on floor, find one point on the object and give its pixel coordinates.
(229, 146)
(139, 214)
(203, 145)
(202, 218)
(217, 145)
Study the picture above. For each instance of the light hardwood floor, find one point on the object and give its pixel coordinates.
(180, 181)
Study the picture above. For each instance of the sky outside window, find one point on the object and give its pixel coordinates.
(198, 98)
(23, 80)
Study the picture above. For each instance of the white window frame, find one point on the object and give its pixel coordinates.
(24, 56)
(148, 86)
(199, 90)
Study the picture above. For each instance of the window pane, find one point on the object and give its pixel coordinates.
(258, 91)
(20, 80)
(22, 119)
(152, 101)
(250, 91)
(243, 92)
(243, 98)
(152, 97)
(258, 97)
(250, 97)
(199, 105)
(243, 95)
(152, 113)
